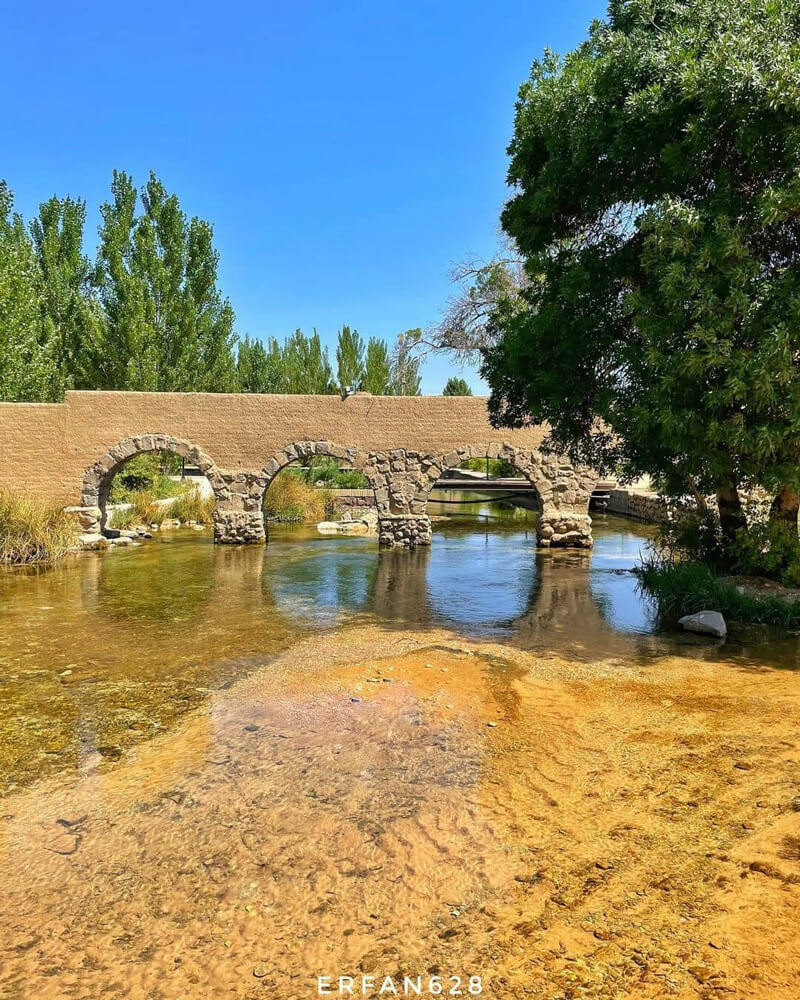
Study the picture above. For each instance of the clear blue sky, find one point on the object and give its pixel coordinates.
(346, 153)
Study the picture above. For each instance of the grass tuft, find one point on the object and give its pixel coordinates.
(191, 506)
(684, 588)
(32, 531)
(289, 498)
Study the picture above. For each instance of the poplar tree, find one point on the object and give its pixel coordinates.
(377, 368)
(350, 368)
(168, 327)
(69, 306)
(28, 345)
(406, 379)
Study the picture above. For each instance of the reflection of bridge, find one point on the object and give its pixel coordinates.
(70, 452)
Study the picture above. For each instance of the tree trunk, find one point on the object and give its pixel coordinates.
(785, 507)
(731, 516)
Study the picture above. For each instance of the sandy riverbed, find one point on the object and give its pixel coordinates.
(391, 803)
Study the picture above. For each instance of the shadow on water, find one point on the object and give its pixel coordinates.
(108, 648)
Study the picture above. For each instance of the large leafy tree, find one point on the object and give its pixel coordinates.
(377, 368)
(29, 349)
(350, 363)
(168, 327)
(656, 205)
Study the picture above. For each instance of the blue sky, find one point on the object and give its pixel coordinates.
(347, 154)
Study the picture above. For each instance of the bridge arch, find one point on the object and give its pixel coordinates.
(97, 479)
(299, 451)
(563, 492)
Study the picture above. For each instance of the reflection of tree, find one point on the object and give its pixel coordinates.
(320, 576)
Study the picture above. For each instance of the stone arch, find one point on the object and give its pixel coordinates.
(98, 477)
(563, 491)
(299, 450)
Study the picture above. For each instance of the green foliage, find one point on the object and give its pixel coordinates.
(259, 368)
(191, 506)
(684, 588)
(148, 473)
(32, 531)
(377, 368)
(405, 378)
(322, 469)
(350, 363)
(69, 306)
(456, 387)
(289, 498)
(29, 349)
(499, 468)
(168, 328)
(657, 209)
(769, 549)
(306, 366)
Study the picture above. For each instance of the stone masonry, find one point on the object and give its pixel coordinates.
(71, 451)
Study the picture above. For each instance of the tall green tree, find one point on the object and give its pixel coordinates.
(28, 345)
(306, 366)
(168, 327)
(259, 368)
(350, 363)
(377, 368)
(69, 306)
(656, 207)
(406, 379)
(456, 387)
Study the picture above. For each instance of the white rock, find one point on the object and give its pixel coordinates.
(707, 622)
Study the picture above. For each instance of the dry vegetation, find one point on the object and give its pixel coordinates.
(32, 531)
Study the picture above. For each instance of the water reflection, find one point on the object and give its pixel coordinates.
(108, 648)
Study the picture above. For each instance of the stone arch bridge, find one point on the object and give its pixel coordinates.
(68, 453)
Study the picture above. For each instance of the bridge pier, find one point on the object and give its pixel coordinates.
(565, 529)
(404, 530)
(239, 527)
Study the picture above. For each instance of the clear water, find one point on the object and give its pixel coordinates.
(107, 649)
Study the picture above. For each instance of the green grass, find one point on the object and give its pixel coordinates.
(290, 498)
(191, 506)
(684, 588)
(32, 531)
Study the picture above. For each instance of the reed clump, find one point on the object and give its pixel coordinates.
(289, 498)
(32, 531)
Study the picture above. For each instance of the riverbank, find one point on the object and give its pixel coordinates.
(393, 802)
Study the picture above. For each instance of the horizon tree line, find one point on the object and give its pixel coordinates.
(147, 313)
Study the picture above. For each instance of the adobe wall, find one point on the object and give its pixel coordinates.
(66, 453)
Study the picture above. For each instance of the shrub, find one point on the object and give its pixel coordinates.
(148, 473)
(191, 506)
(684, 588)
(498, 467)
(123, 517)
(769, 549)
(145, 509)
(291, 498)
(326, 470)
(32, 531)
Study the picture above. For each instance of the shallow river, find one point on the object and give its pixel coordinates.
(470, 760)
(110, 648)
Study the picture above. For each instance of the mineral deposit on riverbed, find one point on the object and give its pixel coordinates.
(393, 804)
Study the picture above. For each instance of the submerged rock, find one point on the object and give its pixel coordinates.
(705, 622)
(93, 541)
